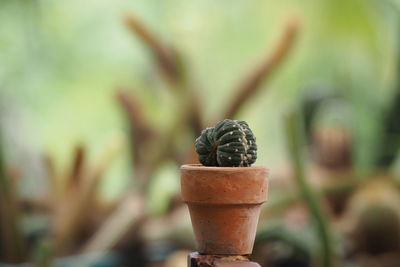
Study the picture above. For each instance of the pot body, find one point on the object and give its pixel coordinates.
(224, 205)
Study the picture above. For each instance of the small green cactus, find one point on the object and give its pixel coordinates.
(230, 143)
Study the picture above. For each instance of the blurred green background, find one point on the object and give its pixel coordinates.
(63, 62)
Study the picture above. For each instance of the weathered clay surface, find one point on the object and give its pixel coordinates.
(224, 205)
(235, 264)
(197, 260)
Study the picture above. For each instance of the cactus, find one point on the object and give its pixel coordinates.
(230, 143)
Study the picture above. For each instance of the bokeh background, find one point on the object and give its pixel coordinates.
(101, 101)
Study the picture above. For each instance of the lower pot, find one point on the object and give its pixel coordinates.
(224, 205)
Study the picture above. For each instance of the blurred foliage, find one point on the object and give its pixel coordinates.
(60, 56)
(63, 62)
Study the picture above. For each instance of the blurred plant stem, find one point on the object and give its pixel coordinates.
(43, 254)
(279, 204)
(165, 57)
(79, 198)
(11, 241)
(3, 180)
(389, 143)
(295, 139)
(252, 83)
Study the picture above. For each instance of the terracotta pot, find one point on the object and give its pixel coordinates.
(224, 205)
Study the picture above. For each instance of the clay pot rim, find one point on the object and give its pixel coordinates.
(200, 167)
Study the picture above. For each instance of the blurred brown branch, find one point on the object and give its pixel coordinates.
(166, 57)
(170, 65)
(12, 245)
(196, 116)
(141, 131)
(52, 176)
(76, 208)
(77, 167)
(252, 83)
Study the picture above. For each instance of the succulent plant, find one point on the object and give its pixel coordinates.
(230, 143)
